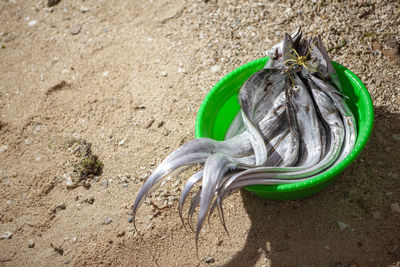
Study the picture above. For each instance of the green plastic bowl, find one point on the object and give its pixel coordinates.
(220, 106)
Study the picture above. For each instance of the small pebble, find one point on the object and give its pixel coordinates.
(107, 220)
(6, 235)
(268, 246)
(182, 70)
(342, 225)
(84, 9)
(122, 142)
(61, 206)
(124, 179)
(31, 243)
(75, 29)
(32, 23)
(393, 175)
(148, 123)
(104, 183)
(209, 259)
(163, 73)
(215, 68)
(48, 9)
(165, 132)
(150, 226)
(395, 207)
(396, 136)
(130, 219)
(3, 148)
(125, 185)
(69, 182)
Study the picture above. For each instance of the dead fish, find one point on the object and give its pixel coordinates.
(293, 124)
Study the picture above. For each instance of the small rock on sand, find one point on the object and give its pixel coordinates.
(3, 148)
(182, 70)
(165, 132)
(122, 142)
(209, 259)
(75, 29)
(32, 23)
(84, 9)
(215, 68)
(31, 243)
(69, 183)
(61, 205)
(148, 123)
(104, 183)
(342, 225)
(107, 220)
(48, 9)
(395, 207)
(396, 136)
(6, 235)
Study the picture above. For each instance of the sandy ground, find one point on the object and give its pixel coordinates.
(127, 63)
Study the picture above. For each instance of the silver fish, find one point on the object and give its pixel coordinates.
(293, 124)
(330, 114)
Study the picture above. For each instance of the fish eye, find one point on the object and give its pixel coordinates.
(296, 87)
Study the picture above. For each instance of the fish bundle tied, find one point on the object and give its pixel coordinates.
(293, 124)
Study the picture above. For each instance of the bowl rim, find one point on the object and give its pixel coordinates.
(362, 137)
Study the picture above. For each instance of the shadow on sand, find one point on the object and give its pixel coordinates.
(306, 232)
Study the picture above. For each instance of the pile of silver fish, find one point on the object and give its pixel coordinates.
(293, 124)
